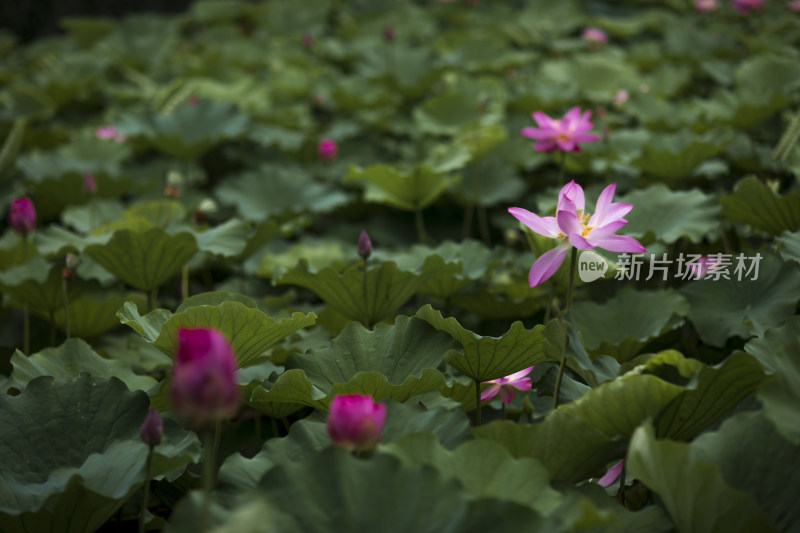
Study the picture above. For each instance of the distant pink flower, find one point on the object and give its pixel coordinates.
(745, 6)
(89, 185)
(109, 132)
(699, 265)
(204, 376)
(388, 33)
(328, 149)
(152, 428)
(562, 134)
(594, 35)
(22, 215)
(355, 421)
(308, 40)
(621, 97)
(192, 101)
(794, 5)
(576, 228)
(505, 386)
(364, 245)
(704, 6)
(612, 475)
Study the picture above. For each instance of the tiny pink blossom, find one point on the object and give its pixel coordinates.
(152, 428)
(22, 215)
(621, 97)
(308, 40)
(561, 134)
(595, 35)
(794, 5)
(612, 475)
(204, 376)
(745, 6)
(573, 227)
(704, 6)
(109, 132)
(89, 184)
(328, 149)
(388, 33)
(355, 421)
(364, 245)
(505, 386)
(699, 266)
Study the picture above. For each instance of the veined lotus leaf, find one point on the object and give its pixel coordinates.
(753, 202)
(408, 190)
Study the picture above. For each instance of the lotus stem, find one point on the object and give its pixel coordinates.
(419, 223)
(483, 224)
(366, 297)
(146, 494)
(26, 328)
(65, 297)
(153, 298)
(209, 471)
(622, 483)
(477, 403)
(573, 261)
(467, 224)
(52, 329)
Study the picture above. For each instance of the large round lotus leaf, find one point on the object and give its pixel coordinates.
(36, 283)
(753, 202)
(70, 453)
(144, 259)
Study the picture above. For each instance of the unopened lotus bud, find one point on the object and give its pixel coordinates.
(22, 216)
(152, 428)
(89, 184)
(364, 245)
(355, 421)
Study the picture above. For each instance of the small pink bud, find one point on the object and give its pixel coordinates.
(193, 100)
(355, 421)
(621, 97)
(22, 215)
(152, 428)
(328, 149)
(308, 40)
(704, 6)
(204, 376)
(388, 33)
(89, 185)
(364, 245)
(109, 132)
(595, 36)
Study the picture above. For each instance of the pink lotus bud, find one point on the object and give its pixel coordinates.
(621, 98)
(745, 6)
(704, 6)
(595, 35)
(109, 132)
(355, 421)
(794, 5)
(152, 428)
(204, 376)
(388, 33)
(308, 40)
(364, 245)
(328, 149)
(22, 216)
(89, 185)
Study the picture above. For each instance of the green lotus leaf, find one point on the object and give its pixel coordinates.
(93, 313)
(93, 214)
(780, 394)
(751, 306)
(278, 191)
(693, 491)
(55, 241)
(710, 392)
(250, 331)
(623, 325)
(229, 239)
(145, 259)
(148, 326)
(36, 284)
(764, 347)
(71, 359)
(11, 147)
(768, 72)
(487, 358)
(465, 103)
(74, 455)
(488, 182)
(484, 468)
(753, 202)
(188, 130)
(674, 156)
(310, 435)
(598, 75)
(671, 215)
(388, 287)
(570, 448)
(215, 298)
(788, 245)
(408, 190)
(82, 155)
(762, 474)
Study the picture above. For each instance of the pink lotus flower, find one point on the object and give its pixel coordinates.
(505, 386)
(611, 476)
(89, 185)
(745, 6)
(595, 36)
(22, 215)
(562, 134)
(576, 228)
(355, 421)
(109, 132)
(794, 5)
(152, 428)
(204, 376)
(621, 97)
(328, 149)
(704, 6)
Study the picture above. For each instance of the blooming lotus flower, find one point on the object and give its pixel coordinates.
(611, 476)
(745, 6)
(364, 245)
(203, 376)
(327, 149)
(355, 421)
(22, 215)
(574, 227)
(594, 35)
(505, 386)
(109, 132)
(704, 6)
(152, 428)
(562, 134)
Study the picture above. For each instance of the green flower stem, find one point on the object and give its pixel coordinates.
(622, 483)
(153, 299)
(146, 494)
(419, 223)
(366, 297)
(503, 411)
(52, 328)
(65, 297)
(477, 403)
(561, 160)
(483, 224)
(210, 445)
(573, 261)
(26, 328)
